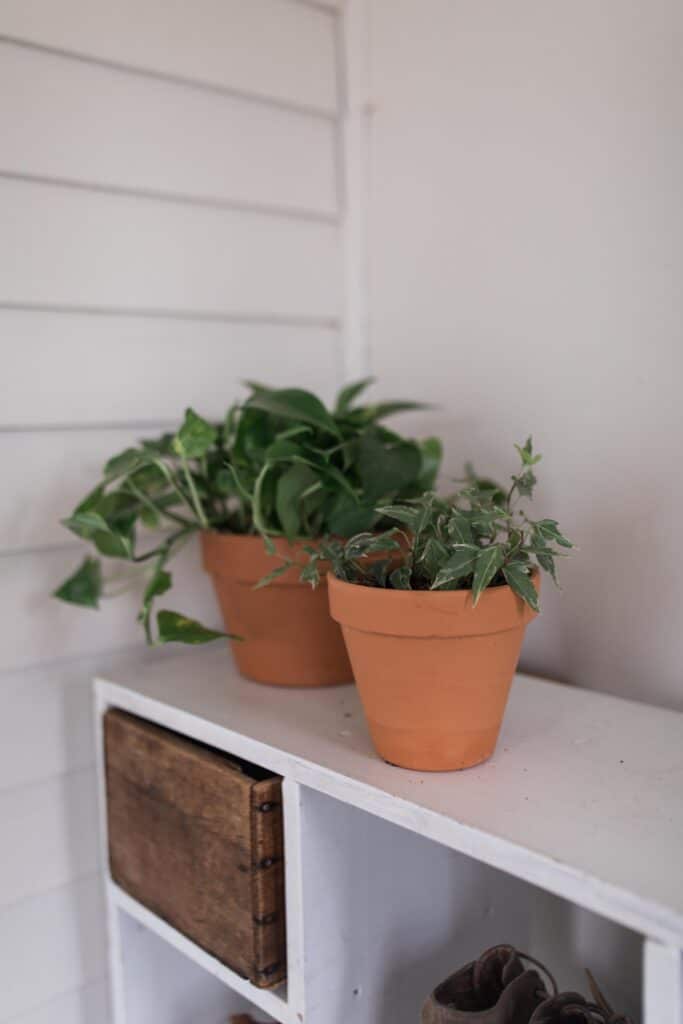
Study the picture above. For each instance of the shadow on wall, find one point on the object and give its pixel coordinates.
(613, 625)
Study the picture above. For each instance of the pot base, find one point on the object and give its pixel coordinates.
(441, 752)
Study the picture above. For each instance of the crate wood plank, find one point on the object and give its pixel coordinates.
(198, 841)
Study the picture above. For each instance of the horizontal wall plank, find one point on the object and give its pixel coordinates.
(49, 944)
(97, 125)
(81, 248)
(63, 812)
(44, 628)
(86, 1005)
(46, 727)
(252, 46)
(48, 474)
(64, 368)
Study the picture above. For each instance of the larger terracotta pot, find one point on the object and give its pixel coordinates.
(289, 638)
(433, 671)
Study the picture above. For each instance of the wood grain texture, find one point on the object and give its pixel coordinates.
(268, 48)
(197, 838)
(159, 136)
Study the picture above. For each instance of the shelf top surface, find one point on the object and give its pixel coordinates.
(584, 794)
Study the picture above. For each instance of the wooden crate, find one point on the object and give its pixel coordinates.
(196, 836)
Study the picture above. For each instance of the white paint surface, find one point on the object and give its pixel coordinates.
(564, 843)
(169, 227)
(526, 247)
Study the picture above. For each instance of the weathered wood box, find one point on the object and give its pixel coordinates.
(196, 836)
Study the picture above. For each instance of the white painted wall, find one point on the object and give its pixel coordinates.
(525, 221)
(169, 225)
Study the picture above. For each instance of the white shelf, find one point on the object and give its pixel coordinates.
(582, 799)
(271, 1001)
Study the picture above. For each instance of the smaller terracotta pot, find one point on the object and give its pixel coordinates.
(433, 671)
(289, 638)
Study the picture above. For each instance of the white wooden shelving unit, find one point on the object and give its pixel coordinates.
(568, 843)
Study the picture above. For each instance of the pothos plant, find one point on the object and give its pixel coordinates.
(280, 464)
(479, 537)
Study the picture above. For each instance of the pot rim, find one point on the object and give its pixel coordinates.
(428, 613)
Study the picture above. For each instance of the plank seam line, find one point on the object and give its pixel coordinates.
(187, 81)
(55, 428)
(44, 780)
(317, 5)
(97, 979)
(40, 549)
(128, 651)
(49, 890)
(177, 198)
(199, 316)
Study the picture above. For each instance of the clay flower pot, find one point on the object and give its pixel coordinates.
(433, 672)
(289, 637)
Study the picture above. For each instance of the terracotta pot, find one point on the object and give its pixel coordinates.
(289, 636)
(433, 672)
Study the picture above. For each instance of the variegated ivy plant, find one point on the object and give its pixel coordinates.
(478, 537)
(279, 464)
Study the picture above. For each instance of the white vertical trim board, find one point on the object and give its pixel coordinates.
(157, 136)
(662, 984)
(272, 49)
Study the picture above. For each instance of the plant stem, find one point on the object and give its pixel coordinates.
(199, 511)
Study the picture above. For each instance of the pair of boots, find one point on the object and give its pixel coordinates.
(499, 989)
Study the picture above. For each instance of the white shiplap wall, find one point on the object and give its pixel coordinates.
(169, 225)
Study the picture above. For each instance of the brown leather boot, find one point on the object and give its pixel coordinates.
(572, 1008)
(495, 989)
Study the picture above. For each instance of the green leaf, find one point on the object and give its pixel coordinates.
(176, 628)
(125, 463)
(84, 587)
(91, 500)
(460, 564)
(400, 578)
(519, 580)
(433, 556)
(546, 560)
(86, 524)
(372, 413)
(459, 528)
(274, 574)
(160, 582)
(347, 395)
(195, 436)
(346, 516)
(526, 453)
(384, 468)
(489, 562)
(431, 452)
(290, 487)
(295, 404)
(548, 529)
(113, 545)
(310, 573)
(525, 483)
(400, 514)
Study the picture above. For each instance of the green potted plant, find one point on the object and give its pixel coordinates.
(435, 629)
(262, 488)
